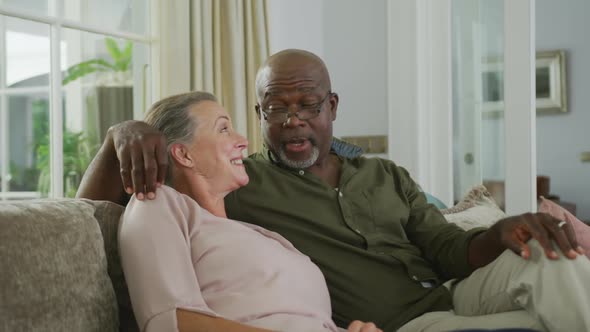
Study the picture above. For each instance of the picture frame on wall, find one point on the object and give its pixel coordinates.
(551, 92)
(551, 82)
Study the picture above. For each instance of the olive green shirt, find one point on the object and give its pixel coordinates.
(383, 250)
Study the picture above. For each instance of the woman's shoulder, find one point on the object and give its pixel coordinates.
(167, 193)
(166, 198)
(167, 190)
(169, 207)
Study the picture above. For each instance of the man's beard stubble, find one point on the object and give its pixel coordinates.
(299, 164)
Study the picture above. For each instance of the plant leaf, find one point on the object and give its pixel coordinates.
(125, 61)
(84, 68)
(113, 49)
(121, 61)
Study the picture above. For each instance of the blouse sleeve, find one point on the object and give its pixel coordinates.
(155, 247)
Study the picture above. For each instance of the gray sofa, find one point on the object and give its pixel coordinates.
(60, 267)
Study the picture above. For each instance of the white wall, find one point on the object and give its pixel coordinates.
(350, 36)
(355, 50)
(562, 137)
(296, 24)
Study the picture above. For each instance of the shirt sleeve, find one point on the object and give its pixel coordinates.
(442, 243)
(155, 248)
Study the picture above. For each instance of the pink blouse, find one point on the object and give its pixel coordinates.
(176, 254)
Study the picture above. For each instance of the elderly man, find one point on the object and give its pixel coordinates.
(387, 255)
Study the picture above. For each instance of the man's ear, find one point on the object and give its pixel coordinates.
(257, 108)
(334, 100)
(181, 156)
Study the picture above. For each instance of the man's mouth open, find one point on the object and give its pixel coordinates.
(297, 145)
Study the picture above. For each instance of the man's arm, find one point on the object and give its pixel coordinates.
(189, 321)
(102, 181)
(132, 159)
(444, 244)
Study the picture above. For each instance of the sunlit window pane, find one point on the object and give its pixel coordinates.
(35, 7)
(24, 109)
(27, 145)
(119, 15)
(27, 53)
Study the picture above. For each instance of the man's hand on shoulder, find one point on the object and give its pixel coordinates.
(142, 155)
(514, 232)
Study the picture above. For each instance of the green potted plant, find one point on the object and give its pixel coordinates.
(77, 153)
(119, 67)
(110, 100)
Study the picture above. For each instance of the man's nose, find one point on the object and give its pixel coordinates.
(293, 120)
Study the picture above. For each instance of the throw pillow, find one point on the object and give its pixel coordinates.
(53, 268)
(582, 230)
(476, 209)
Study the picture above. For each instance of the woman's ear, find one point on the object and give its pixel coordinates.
(180, 154)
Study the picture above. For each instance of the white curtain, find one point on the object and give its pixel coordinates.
(171, 56)
(229, 42)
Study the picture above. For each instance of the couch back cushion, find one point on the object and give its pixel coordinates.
(53, 268)
(108, 215)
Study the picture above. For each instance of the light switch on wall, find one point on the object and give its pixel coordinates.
(585, 157)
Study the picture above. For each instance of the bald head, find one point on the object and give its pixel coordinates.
(290, 65)
(296, 79)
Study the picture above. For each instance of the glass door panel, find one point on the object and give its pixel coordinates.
(478, 94)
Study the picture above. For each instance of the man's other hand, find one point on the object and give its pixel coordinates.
(514, 232)
(142, 155)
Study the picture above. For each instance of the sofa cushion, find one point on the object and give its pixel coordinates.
(108, 215)
(476, 209)
(435, 201)
(53, 268)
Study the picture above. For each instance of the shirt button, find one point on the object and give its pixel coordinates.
(301, 172)
(414, 277)
(358, 231)
(340, 194)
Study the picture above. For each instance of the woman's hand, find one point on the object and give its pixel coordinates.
(358, 326)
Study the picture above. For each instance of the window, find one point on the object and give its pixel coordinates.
(69, 69)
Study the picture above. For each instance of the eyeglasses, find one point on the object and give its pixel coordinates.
(306, 112)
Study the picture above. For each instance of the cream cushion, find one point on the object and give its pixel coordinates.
(476, 209)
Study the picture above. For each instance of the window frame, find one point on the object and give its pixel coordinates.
(56, 24)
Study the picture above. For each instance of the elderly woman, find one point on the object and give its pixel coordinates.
(190, 268)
